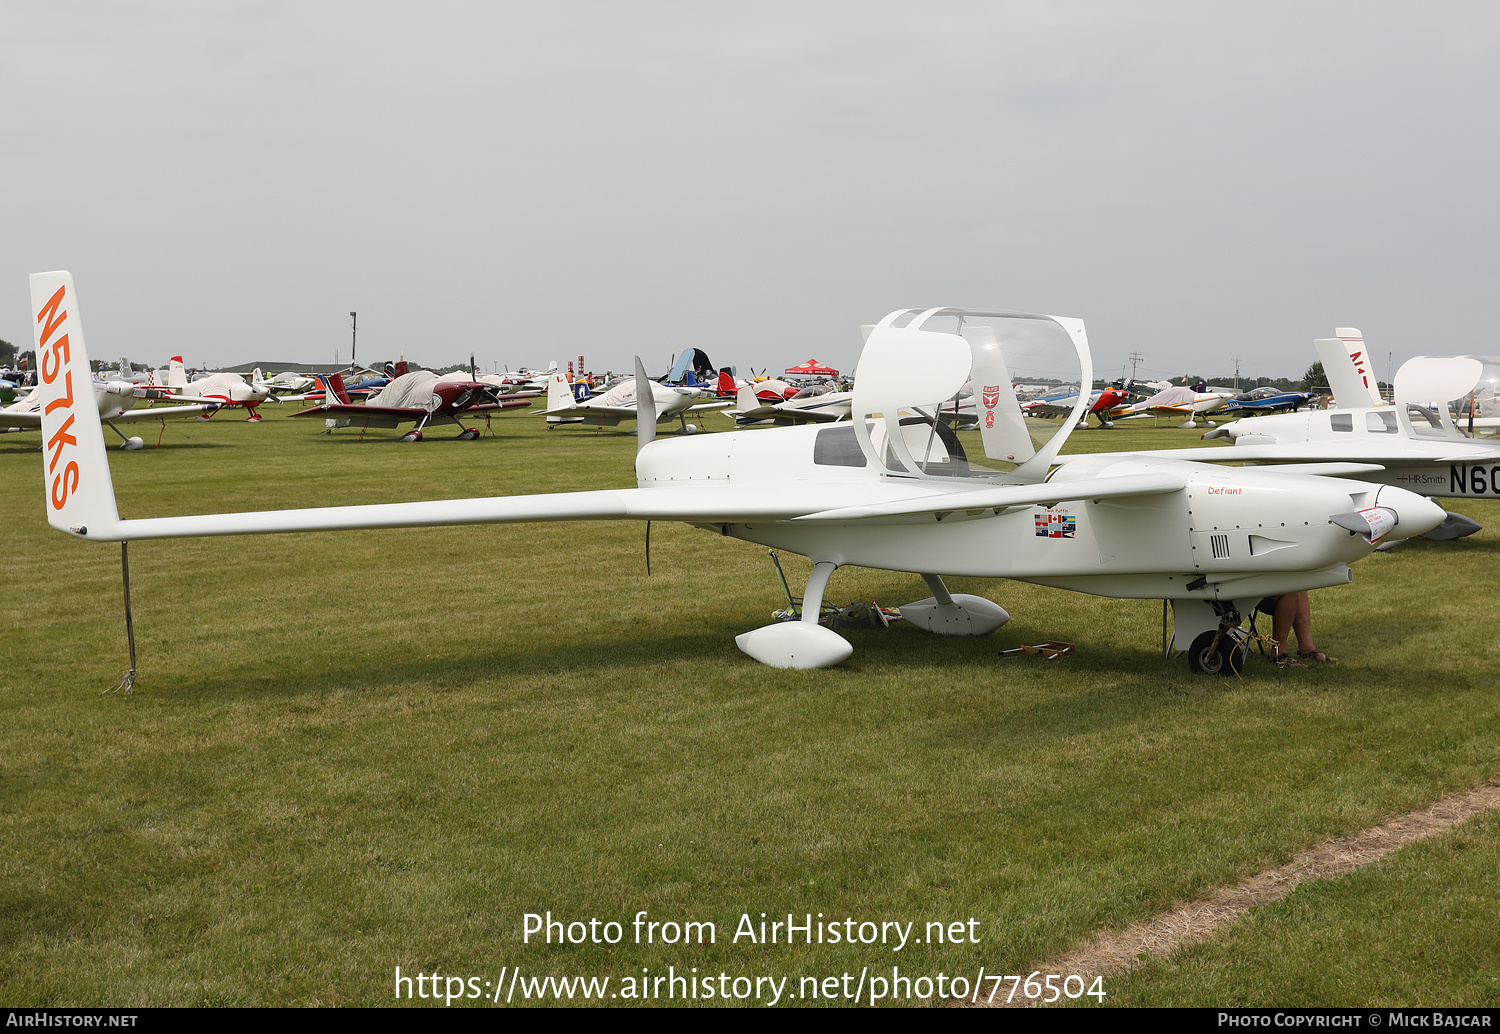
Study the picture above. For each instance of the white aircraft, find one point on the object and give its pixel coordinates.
(825, 407)
(217, 389)
(619, 403)
(881, 491)
(1411, 444)
(286, 381)
(1180, 400)
(525, 377)
(114, 398)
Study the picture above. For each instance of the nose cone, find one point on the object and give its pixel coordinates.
(1415, 514)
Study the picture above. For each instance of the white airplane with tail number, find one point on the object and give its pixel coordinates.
(891, 489)
(1414, 443)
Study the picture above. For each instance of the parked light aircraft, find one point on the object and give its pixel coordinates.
(114, 398)
(215, 389)
(1409, 444)
(1101, 402)
(286, 381)
(805, 407)
(1268, 400)
(882, 491)
(1179, 400)
(417, 396)
(619, 403)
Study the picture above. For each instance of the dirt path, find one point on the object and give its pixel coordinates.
(1112, 953)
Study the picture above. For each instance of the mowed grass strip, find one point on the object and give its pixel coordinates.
(353, 751)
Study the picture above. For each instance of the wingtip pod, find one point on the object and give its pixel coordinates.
(77, 491)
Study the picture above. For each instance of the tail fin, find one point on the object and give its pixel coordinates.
(747, 400)
(79, 494)
(333, 390)
(726, 385)
(176, 373)
(1347, 367)
(1354, 342)
(401, 369)
(1002, 427)
(559, 395)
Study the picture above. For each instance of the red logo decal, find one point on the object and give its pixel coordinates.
(991, 396)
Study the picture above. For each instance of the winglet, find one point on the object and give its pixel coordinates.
(79, 494)
(645, 408)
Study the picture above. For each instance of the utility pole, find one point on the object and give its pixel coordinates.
(1236, 374)
(1135, 360)
(353, 336)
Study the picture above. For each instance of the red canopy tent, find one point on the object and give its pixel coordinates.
(812, 368)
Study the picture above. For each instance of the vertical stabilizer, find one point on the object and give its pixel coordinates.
(334, 393)
(1346, 365)
(176, 373)
(1359, 355)
(80, 497)
(1002, 427)
(559, 394)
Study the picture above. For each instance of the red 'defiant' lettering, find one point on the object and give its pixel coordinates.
(53, 361)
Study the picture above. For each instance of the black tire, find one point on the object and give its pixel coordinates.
(1228, 659)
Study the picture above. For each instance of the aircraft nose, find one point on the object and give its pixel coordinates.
(1415, 514)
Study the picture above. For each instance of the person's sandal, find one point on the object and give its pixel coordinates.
(1317, 657)
(1286, 660)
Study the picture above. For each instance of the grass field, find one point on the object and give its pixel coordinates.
(351, 752)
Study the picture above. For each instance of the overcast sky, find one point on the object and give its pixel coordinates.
(1198, 181)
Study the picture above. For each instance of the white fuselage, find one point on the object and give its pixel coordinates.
(113, 398)
(1424, 454)
(1231, 533)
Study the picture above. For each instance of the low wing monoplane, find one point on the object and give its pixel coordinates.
(114, 399)
(417, 396)
(619, 403)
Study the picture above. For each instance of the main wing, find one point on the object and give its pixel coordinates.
(80, 496)
(366, 416)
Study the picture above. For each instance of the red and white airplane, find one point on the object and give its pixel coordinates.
(413, 396)
(215, 389)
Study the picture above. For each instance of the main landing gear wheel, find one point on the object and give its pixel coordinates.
(1228, 658)
(469, 434)
(411, 436)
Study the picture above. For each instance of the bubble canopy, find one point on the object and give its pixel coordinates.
(918, 367)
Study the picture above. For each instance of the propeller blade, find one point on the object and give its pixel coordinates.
(645, 408)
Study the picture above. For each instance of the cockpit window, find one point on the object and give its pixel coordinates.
(934, 446)
(1381, 421)
(837, 447)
